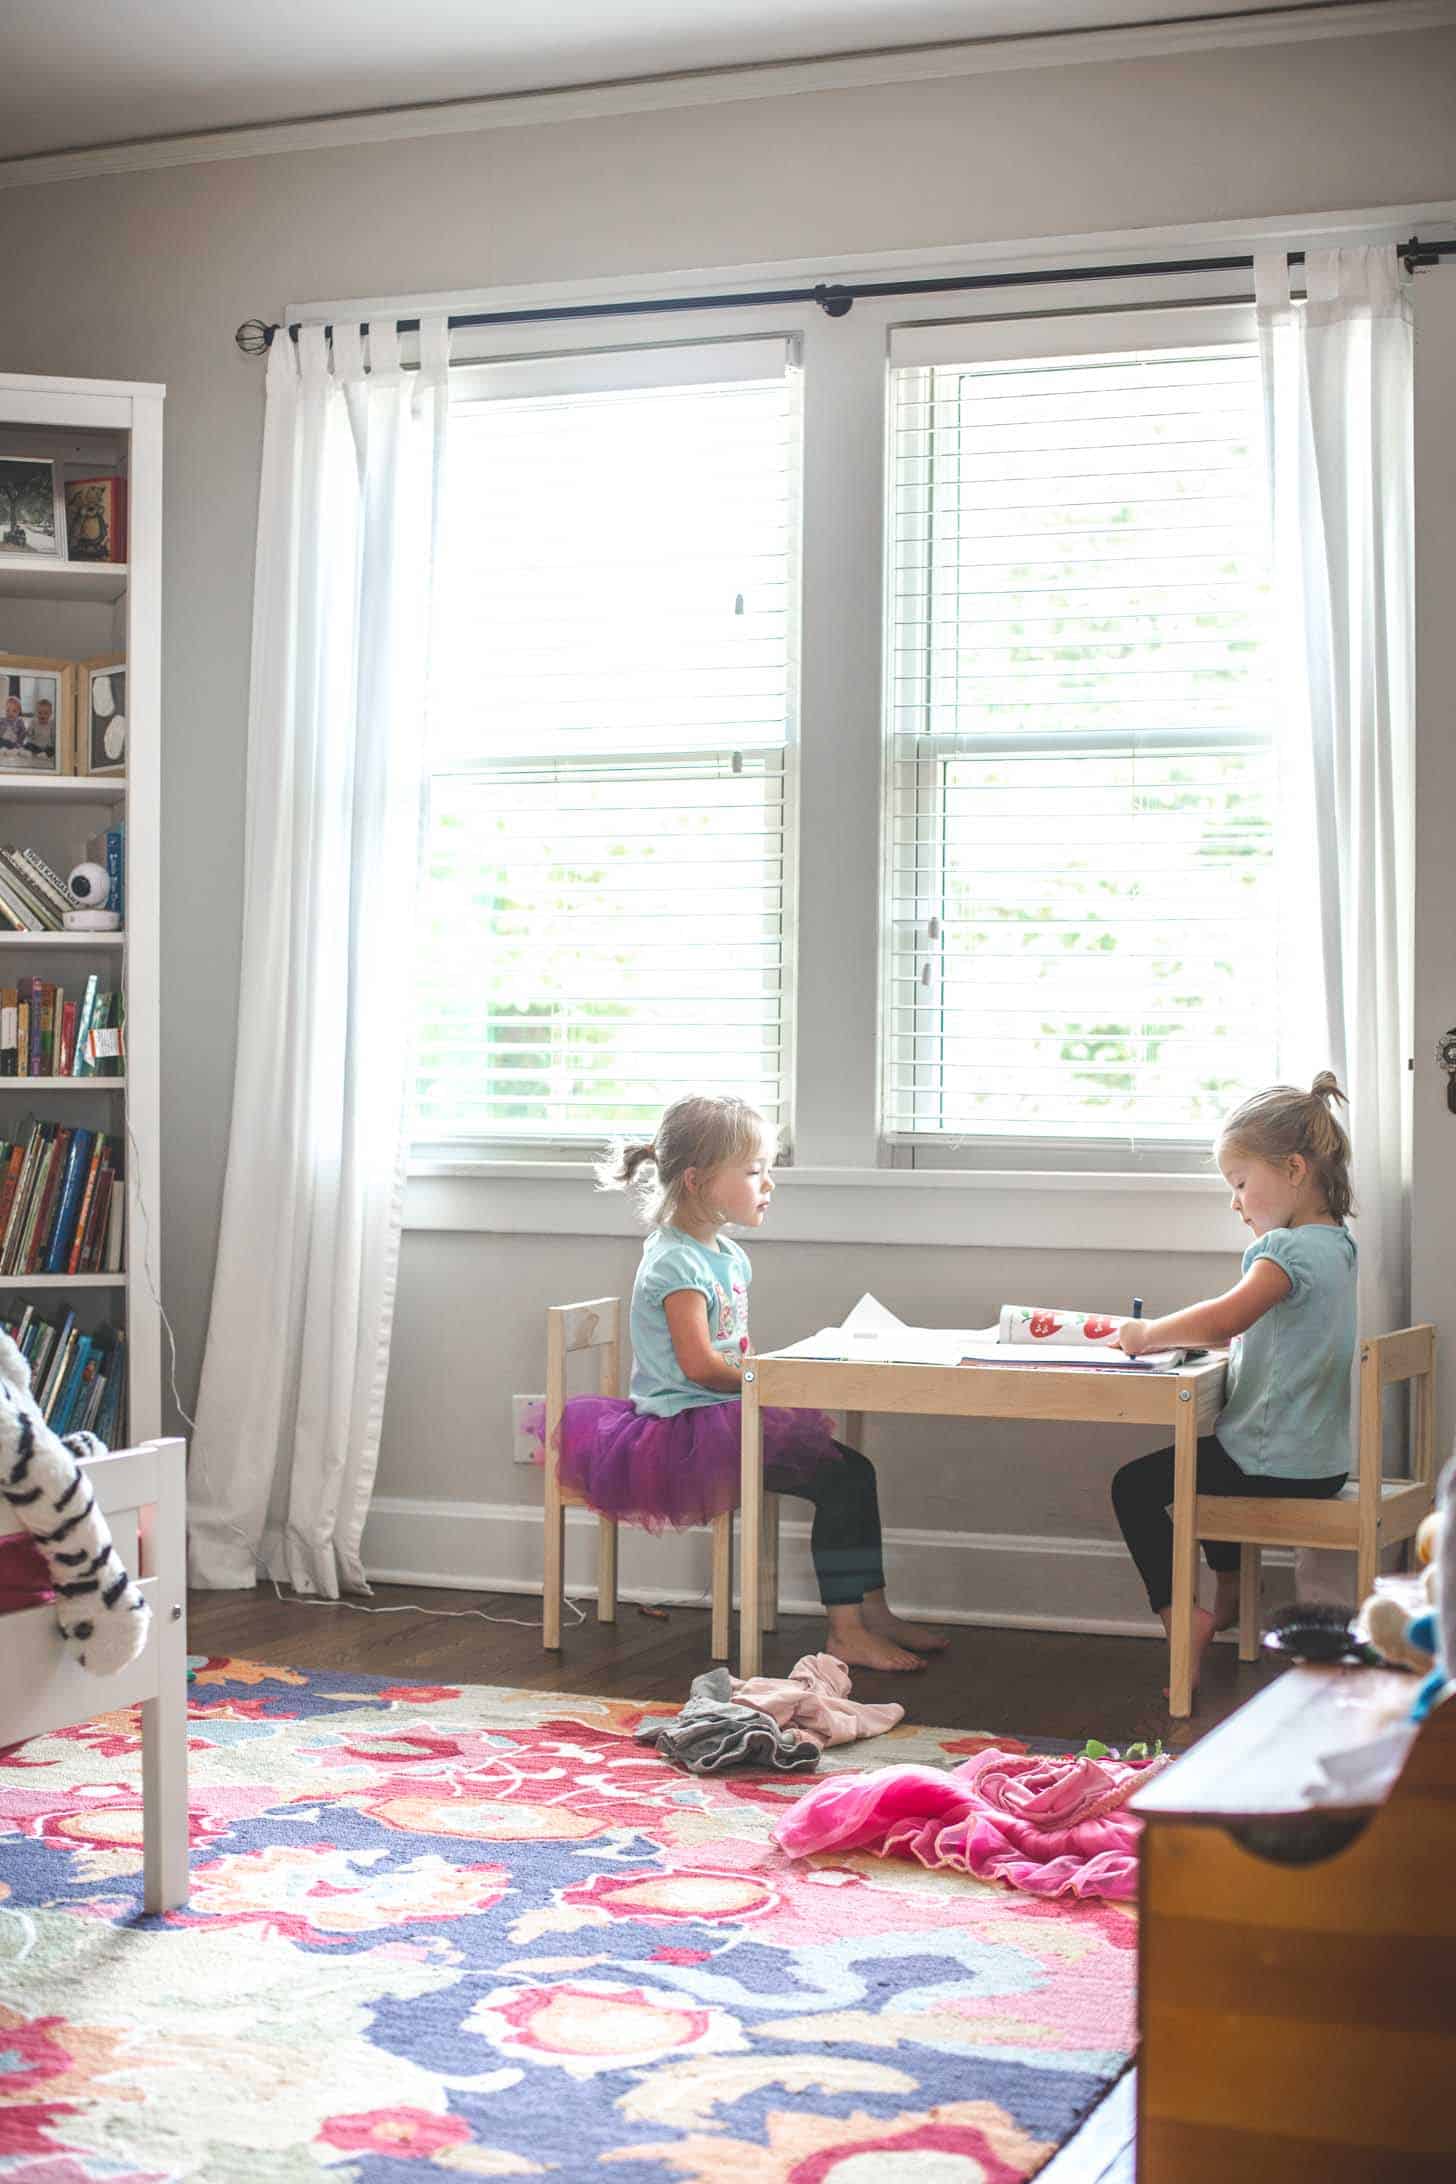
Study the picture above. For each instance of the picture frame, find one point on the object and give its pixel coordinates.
(101, 715)
(32, 508)
(96, 510)
(37, 709)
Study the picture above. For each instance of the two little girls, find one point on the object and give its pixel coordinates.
(670, 1455)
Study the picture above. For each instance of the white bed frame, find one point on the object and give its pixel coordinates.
(143, 1493)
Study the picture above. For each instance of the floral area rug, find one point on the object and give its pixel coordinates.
(482, 1933)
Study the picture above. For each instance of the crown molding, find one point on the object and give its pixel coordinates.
(721, 86)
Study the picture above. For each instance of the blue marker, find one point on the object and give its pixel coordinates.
(1137, 1307)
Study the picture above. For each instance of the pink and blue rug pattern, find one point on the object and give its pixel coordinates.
(473, 1932)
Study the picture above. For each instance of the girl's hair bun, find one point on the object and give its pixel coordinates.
(1326, 1087)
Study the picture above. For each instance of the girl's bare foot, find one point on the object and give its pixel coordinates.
(1226, 1605)
(886, 1624)
(1203, 1630)
(869, 1650)
(852, 1640)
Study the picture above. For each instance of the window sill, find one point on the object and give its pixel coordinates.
(976, 1209)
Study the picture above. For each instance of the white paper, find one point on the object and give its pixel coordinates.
(872, 1332)
(870, 1317)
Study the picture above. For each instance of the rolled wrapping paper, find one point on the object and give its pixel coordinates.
(1033, 1323)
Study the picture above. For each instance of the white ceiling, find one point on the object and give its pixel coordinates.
(85, 72)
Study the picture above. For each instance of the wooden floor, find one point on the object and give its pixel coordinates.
(1025, 1683)
(1022, 1683)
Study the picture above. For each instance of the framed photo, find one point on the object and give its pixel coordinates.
(32, 509)
(96, 518)
(35, 715)
(101, 715)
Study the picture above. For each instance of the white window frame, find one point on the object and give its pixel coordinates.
(563, 366)
(1091, 333)
(842, 1191)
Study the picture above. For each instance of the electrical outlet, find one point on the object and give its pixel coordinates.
(523, 1444)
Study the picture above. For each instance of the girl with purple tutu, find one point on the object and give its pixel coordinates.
(670, 1455)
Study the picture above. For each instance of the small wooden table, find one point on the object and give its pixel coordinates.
(1185, 1404)
(1297, 1958)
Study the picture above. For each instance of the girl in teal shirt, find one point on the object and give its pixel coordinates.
(1284, 1429)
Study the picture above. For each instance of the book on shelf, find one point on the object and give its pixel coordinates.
(22, 910)
(109, 851)
(78, 1378)
(60, 1211)
(49, 885)
(106, 1040)
(44, 1032)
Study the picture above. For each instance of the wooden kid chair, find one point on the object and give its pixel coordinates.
(1369, 1513)
(597, 1325)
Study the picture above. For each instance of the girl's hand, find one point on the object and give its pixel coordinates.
(1132, 1336)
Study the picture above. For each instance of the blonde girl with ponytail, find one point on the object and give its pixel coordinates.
(1284, 1429)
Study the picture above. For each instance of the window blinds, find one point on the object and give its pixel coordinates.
(1081, 789)
(607, 863)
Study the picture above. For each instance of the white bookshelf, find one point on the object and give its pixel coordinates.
(80, 610)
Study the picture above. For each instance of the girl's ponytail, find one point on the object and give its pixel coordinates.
(618, 1171)
(1329, 1153)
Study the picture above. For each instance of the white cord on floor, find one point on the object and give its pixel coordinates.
(411, 1607)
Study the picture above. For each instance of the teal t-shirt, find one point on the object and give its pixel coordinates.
(1287, 1410)
(672, 1260)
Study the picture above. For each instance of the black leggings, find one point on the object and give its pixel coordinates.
(845, 1541)
(1143, 1490)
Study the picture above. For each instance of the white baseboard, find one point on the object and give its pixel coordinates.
(1001, 1578)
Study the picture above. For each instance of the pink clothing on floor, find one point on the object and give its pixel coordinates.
(1051, 1823)
(814, 1699)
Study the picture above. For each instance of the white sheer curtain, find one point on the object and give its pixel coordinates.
(293, 1380)
(1337, 378)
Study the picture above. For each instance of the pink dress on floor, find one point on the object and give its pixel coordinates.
(1051, 1823)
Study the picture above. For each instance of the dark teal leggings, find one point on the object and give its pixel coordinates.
(1142, 1492)
(845, 1541)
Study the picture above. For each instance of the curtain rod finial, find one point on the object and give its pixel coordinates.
(255, 336)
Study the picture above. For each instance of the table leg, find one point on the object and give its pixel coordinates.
(721, 1645)
(1185, 1556)
(772, 1514)
(750, 1526)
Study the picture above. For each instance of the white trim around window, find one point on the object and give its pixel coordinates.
(843, 1187)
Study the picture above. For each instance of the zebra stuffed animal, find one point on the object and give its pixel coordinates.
(103, 1618)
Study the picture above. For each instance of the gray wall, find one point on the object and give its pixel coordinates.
(145, 276)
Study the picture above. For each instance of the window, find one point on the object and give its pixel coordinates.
(1080, 803)
(608, 857)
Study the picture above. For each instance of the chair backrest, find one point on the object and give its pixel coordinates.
(1386, 1361)
(593, 1325)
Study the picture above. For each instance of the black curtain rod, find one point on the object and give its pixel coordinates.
(835, 298)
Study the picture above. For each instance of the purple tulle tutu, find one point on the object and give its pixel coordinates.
(678, 1471)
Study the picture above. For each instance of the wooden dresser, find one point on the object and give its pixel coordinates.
(1297, 1975)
